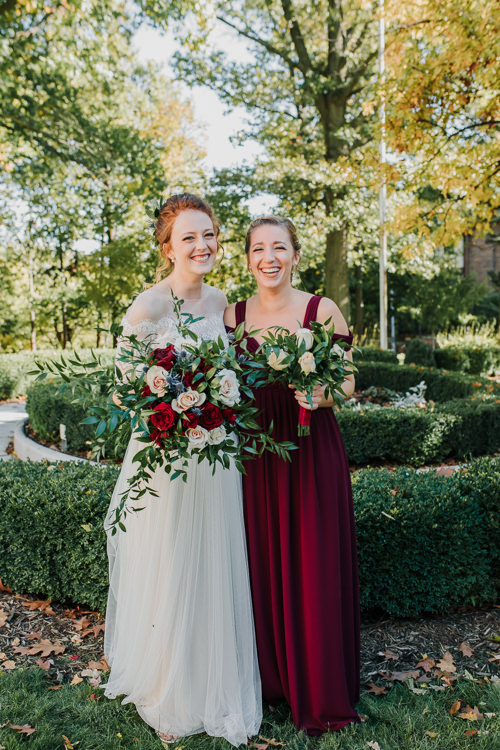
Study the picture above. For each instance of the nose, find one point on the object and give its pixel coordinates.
(269, 254)
(201, 243)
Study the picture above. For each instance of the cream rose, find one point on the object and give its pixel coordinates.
(217, 435)
(156, 378)
(187, 400)
(197, 436)
(307, 363)
(229, 390)
(304, 335)
(277, 361)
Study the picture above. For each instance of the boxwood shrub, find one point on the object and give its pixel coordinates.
(441, 386)
(14, 368)
(425, 542)
(419, 353)
(470, 359)
(415, 436)
(372, 354)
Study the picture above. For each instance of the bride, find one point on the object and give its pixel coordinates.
(179, 627)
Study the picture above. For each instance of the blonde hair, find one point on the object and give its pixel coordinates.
(169, 211)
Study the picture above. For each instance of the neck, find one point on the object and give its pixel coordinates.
(185, 288)
(275, 299)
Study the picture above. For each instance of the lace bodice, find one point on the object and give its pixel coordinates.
(165, 331)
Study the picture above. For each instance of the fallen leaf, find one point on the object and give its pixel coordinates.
(402, 676)
(8, 665)
(449, 679)
(45, 648)
(426, 664)
(95, 681)
(35, 636)
(54, 687)
(465, 649)
(76, 680)
(431, 734)
(490, 715)
(376, 690)
(388, 654)
(82, 623)
(101, 665)
(471, 714)
(273, 742)
(68, 745)
(455, 708)
(3, 617)
(494, 657)
(446, 664)
(3, 587)
(43, 606)
(374, 745)
(47, 664)
(15, 642)
(24, 729)
(471, 732)
(99, 628)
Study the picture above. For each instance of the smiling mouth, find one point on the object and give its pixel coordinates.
(270, 271)
(201, 258)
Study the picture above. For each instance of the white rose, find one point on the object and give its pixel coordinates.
(156, 378)
(276, 361)
(198, 437)
(307, 363)
(304, 335)
(337, 349)
(217, 435)
(229, 390)
(187, 400)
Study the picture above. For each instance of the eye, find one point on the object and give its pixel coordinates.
(189, 238)
(256, 249)
(209, 234)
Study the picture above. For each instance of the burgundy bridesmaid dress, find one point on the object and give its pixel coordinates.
(303, 567)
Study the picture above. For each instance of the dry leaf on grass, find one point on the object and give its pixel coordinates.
(376, 690)
(446, 664)
(374, 745)
(24, 729)
(101, 665)
(455, 708)
(47, 664)
(471, 714)
(8, 665)
(76, 680)
(426, 664)
(431, 734)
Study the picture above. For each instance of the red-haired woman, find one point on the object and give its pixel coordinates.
(179, 629)
(299, 515)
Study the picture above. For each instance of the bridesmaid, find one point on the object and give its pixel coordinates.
(299, 516)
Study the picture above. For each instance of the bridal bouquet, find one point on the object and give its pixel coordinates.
(189, 398)
(307, 358)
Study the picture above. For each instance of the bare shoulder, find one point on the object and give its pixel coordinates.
(327, 308)
(215, 298)
(230, 315)
(146, 306)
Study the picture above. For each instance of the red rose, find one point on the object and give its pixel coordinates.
(164, 417)
(165, 357)
(230, 415)
(146, 391)
(191, 420)
(157, 437)
(188, 378)
(211, 416)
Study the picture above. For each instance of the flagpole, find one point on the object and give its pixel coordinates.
(382, 190)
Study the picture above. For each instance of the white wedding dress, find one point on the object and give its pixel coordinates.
(179, 625)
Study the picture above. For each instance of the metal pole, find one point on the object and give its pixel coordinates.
(382, 191)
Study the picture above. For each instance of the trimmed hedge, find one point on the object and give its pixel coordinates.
(14, 368)
(441, 386)
(425, 542)
(418, 436)
(419, 353)
(372, 354)
(470, 359)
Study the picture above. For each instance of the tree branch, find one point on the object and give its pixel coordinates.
(263, 43)
(305, 62)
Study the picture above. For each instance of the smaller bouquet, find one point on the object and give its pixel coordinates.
(306, 358)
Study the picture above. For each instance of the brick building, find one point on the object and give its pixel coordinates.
(482, 255)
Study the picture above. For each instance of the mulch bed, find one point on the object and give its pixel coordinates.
(67, 642)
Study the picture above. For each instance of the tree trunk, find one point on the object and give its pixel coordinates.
(359, 324)
(336, 275)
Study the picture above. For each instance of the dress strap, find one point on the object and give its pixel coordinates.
(240, 311)
(311, 310)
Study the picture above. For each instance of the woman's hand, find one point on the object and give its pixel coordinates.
(317, 397)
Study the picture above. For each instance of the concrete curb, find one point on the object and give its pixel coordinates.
(26, 448)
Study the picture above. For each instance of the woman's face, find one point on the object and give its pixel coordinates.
(193, 244)
(271, 256)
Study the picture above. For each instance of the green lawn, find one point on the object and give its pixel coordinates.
(397, 721)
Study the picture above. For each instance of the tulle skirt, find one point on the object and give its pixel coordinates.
(179, 627)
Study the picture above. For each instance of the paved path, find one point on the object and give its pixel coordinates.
(11, 413)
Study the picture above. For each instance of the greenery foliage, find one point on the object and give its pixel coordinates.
(374, 354)
(15, 368)
(419, 353)
(470, 359)
(425, 542)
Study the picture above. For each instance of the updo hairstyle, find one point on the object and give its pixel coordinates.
(278, 221)
(169, 211)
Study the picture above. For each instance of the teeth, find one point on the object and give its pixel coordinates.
(270, 271)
